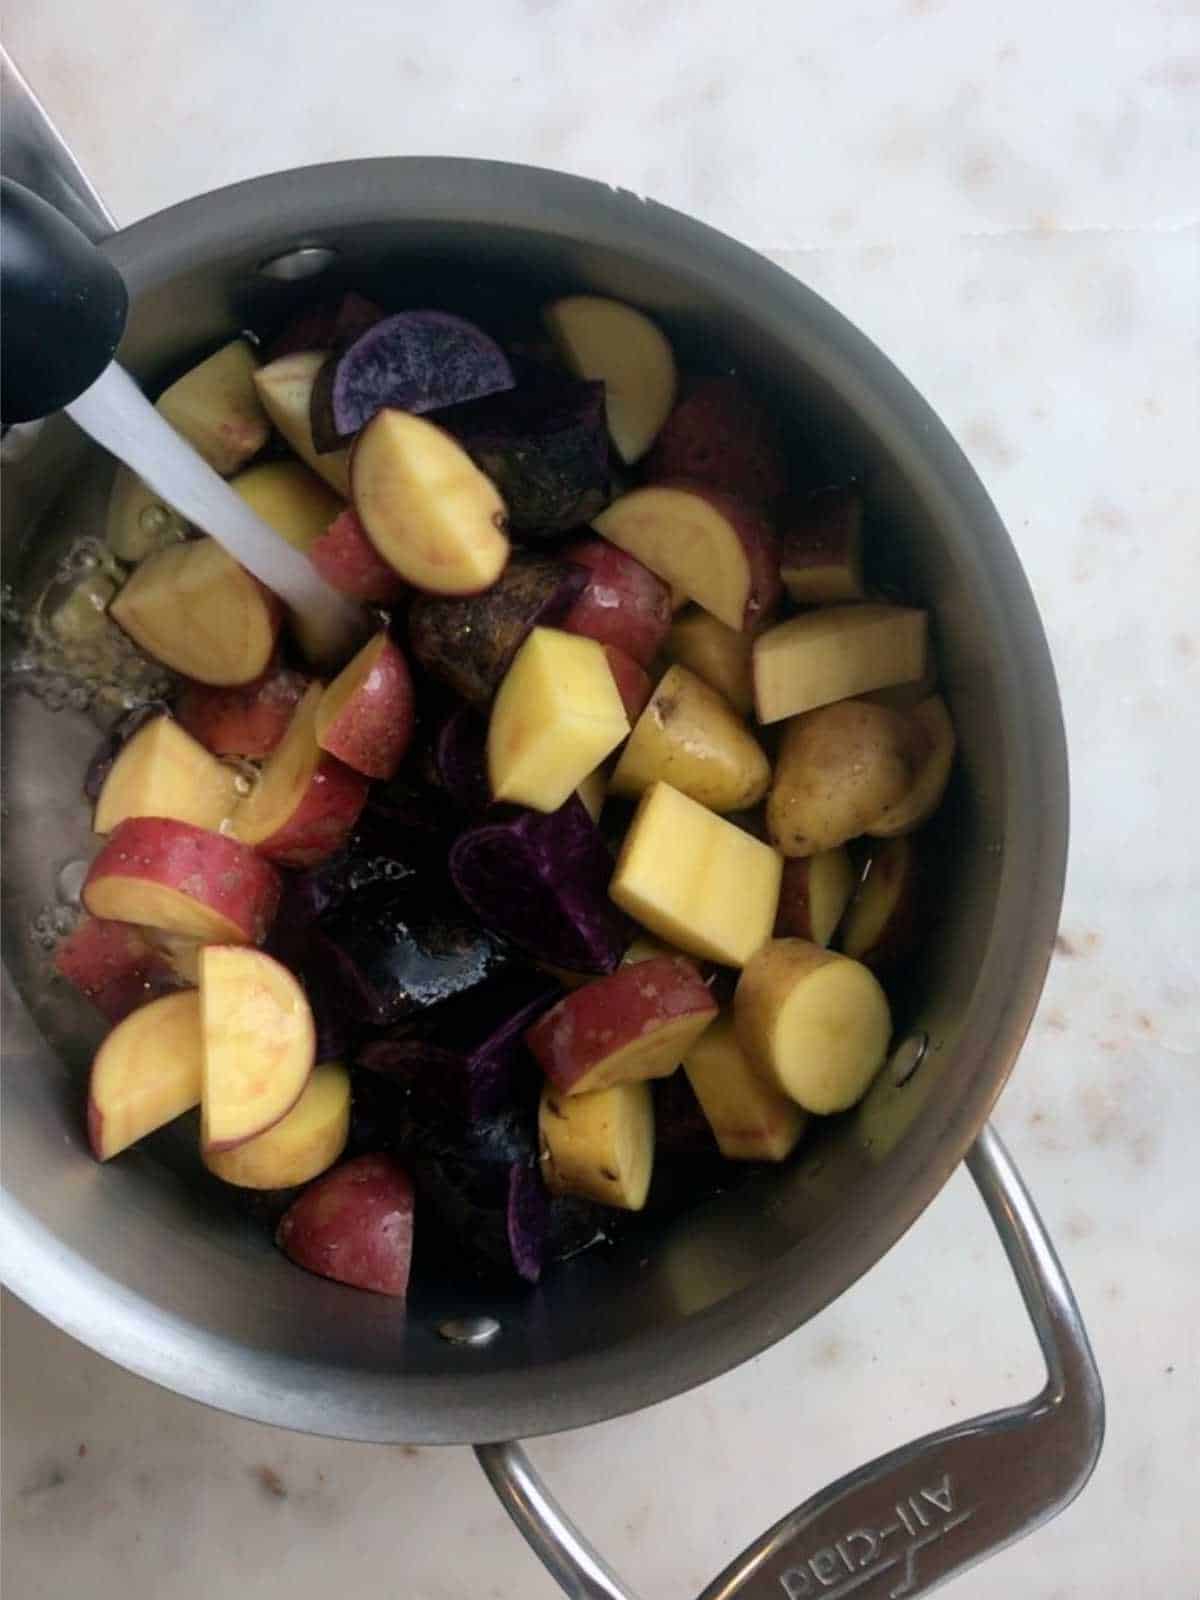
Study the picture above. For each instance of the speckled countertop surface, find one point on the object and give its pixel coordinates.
(1006, 199)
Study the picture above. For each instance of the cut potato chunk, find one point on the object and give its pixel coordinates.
(139, 522)
(308, 1140)
(822, 552)
(146, 1074)
(217, 410)
(881, 924)
(557, 714)
(113, 966)
(634, 1024)
(610, 341)
(186, 880)
(815, 1024)
(813, 895)
(718, 654)
(354, 1225)
(593, 791)
(426, 507)
(285, 388)
(931, 751)
(750, 1118)
(365, 716)
(259, 1044)
(193, 608)
(290, 499)
(164, 772)
(689, 737)
(695, 880)
(599, 1146)
(832, 654)
(180, 953)
(720, 553)
(837, 770)
(306, 801)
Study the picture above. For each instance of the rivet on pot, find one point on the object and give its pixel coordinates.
(306, 261)
(469, 1330)
(907, 1057)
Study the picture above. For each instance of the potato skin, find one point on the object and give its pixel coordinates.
(469, 643)
(838, 769)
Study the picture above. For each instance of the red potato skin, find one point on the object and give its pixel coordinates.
(113, 966)
(247, 721)
(347, 560)
(632, 681)
(375, 728)
(324, 818)
(217, 872)
(321, 327)
(623, 604)
(603, 1016)
(354, 1225)
(718, 434)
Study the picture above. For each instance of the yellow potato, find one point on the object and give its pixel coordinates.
(816, 1024)
(216, 408)
(307, 1141)
(750, 1118)
(825, 655)
(291, 499)
(600, 1145)
(717, 653)
(689, 737)
(838, 769)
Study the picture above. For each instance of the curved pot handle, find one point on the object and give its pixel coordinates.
(920, 1514)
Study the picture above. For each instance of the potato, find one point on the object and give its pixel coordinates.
(163, 772)
(827, 655)
(622, 602)
(634, 1024)
(113, 965)
(605, 339)
(931, 751)
(557, 715)
(216, 409)
(719, 654)
(881, 924)
(817, 1025)
(139, 522)
(469, 642)
(719, 434)
(599, 1146)
(285, 389)
(300, 1147)
(689, 737)
(750, 1119)
(354, 1225)
(146, 1074)
(365, 716)
(696, 880)
(249, 720)
(813, 895)
(838, 768)
(290, 499)
(822, 550)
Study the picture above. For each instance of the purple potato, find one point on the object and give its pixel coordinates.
(410, 946)
(325, 326)
(461, 757)
(545, 446)
(541, 881)
(468, 643)
(416, 361)
(462, 1060)
(680, 1126)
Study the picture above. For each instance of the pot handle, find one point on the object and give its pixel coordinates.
(36, 155)
(920, 1514)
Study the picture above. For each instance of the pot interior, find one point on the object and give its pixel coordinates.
(148, 1258)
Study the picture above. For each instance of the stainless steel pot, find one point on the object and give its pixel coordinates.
(143, 1261)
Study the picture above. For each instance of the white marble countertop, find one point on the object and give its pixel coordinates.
(1005, 199)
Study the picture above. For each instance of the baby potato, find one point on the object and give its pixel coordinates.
(839, 768)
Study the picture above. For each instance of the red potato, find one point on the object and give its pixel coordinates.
(347, 559)
(718, 434)
(635, 1024)
(259, 1045)
(623, 603)
(114, 967)
(821, 557)
(365, 716)
(632, 681)
(183, 879)
(306, 801)
(721, 552)
(354, 1225)
(247, 721)
(146, 1073)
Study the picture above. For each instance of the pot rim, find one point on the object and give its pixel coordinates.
(653, 1365)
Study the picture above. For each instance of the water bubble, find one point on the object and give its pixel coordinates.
(70, 881)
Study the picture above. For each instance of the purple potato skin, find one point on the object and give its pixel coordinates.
(462, 1062)
(541, 881)
(468, 644)
(325, 326)
(545, 446)
(527, 1217)
(460, 755)
(415, 361)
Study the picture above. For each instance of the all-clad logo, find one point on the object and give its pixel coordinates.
(865, 1554)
